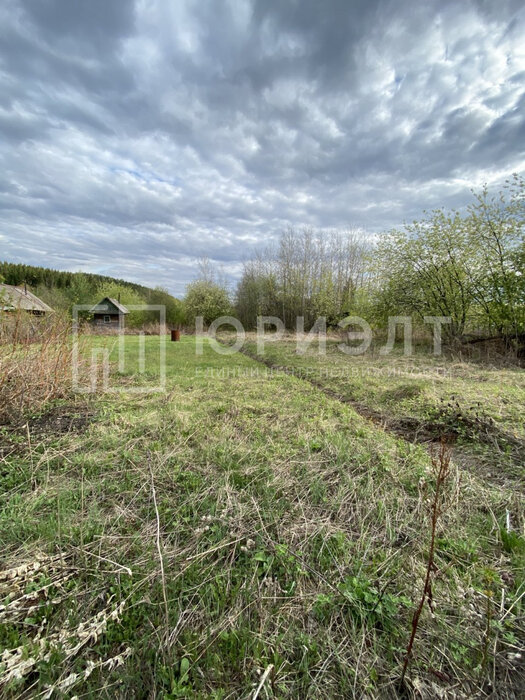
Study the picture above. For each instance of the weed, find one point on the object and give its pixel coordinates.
(441, 466)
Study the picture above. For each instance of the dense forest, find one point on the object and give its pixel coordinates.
(18, 273)
(61, 290)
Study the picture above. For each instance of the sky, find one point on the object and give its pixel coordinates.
(139, 136)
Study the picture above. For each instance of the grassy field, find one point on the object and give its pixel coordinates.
(250, 533)
(479, 407)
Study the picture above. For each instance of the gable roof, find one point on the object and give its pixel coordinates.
(105, 304)
(12, 298)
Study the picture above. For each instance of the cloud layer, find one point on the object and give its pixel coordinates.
(137, 137)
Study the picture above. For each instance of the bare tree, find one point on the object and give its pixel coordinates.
(310, 273)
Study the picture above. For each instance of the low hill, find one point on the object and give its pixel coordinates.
(61, 290)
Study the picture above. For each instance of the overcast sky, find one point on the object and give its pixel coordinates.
(138, 137)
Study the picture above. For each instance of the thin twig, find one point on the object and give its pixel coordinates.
(159, 549)
(101, 558)
(263, 681)
(441, 465)
(30, 449)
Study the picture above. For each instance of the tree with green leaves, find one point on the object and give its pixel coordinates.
(468, 267)
(496, 234)
(174, 308)
(207, 295)
(207, 299)
(424, 270)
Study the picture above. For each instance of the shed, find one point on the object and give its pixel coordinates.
(13, 298)
(109, 313)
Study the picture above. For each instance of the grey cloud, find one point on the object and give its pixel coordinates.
(151, 132)
(95, 25)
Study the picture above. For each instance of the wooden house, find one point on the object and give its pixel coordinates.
(109, 314)
(14, 298)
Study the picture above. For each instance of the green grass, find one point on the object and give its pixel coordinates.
(482, 406)
(293, 533)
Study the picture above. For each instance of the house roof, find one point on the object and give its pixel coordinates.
(105, 304)
(12, 298)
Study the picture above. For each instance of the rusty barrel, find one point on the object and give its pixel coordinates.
(175, 335)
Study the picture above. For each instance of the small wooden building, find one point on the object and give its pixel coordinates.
(109, 314)
(14, 298)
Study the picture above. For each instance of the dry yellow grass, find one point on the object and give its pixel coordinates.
(35, 362)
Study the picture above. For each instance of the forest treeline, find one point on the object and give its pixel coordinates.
(468, 267)
(61, 290)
